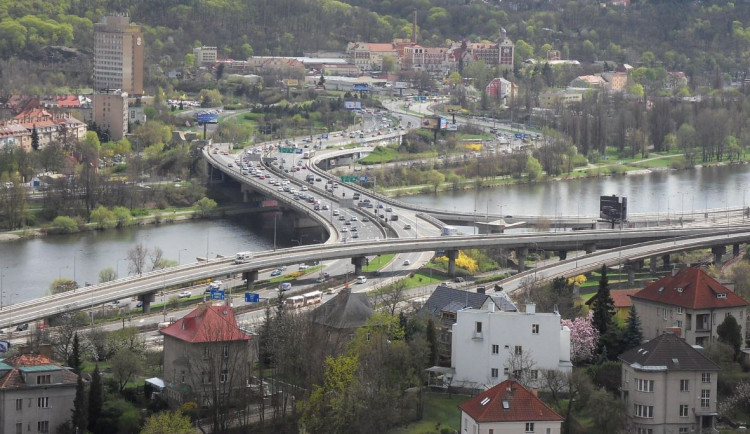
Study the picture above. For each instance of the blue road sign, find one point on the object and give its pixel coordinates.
(363, 179)
(217, 294)
(251, 297)
(299, 151)
(518, 135)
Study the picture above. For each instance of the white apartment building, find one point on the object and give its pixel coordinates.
(488, 346)
(118, 55)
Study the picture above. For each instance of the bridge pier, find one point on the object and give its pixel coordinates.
(562, 254)
(521, 254)
(250, 277)
(451, 255)
(147, 299)
(735, 250)
(358, 262)
(718, 252)
(652, 264)
(665, 260)
(590, 248)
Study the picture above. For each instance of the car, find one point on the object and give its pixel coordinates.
(361, 279)
(354, 229)
(355, 235)
(407, 262)
(321, 279)
(285, 286)
(348, 223)
(407, 227)
(365, 219)
(459, 279)
(303, 266)
(325, 206)
(22, 327)
(345, 229)
(342, 218)
(276, 272)
(139, 304)
(354, 218)
(318, 179)
(185, 294)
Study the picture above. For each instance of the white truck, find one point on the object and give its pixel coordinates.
(242, 257)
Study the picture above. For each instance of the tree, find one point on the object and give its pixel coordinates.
(137, 259)
(65, 224)
(603, 306)
(583, 338)
(74, 361)
(607, 412)
(126, 365)
(204, 206)
(533, 168)
(95, 397)
(730, 333)
(62, 284)
(34, 138)
(431, 336)
(168, 422)
(102, 217)
(80, 409)
(107, 275)
(66, 327)
(519, 364)
(390, 296)
(632, 336)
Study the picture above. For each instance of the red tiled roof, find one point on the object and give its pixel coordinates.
(21, 360)
(373, 46)
(621, 297)
(207, 324)
(691, 288)
(522, 405)
(68, 101)
(14, 379)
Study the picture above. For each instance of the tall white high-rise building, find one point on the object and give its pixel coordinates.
(118, 55)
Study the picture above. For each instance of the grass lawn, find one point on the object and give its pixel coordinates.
(423, 277)
(440, 411)
(379, 262)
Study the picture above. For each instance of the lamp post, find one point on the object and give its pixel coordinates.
(117, 275)
(179, 259)
(10, 303)
(1, 287)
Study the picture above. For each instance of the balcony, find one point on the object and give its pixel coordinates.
(477, 336)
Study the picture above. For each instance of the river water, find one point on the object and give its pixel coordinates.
(29, 266)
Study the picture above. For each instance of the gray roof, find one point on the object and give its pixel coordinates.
(346, 310)
(503, 301)
(445, 298)
(668, 352)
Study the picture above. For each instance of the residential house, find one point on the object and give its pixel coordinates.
(444, 304)
(622, 301)
(675, 80)
(690, 302)
(508, 408)
(616, 81)
(111, 112)
(669, 387)
(36, 394)
(205, 55)
(501, 89)
(588, 81)
(554, 98)
(336, 320)
(50, 127)
(207, 357)
(490, 346)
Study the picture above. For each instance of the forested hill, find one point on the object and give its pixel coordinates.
(691, 36)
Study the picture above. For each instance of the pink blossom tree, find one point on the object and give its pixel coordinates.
(583, 338)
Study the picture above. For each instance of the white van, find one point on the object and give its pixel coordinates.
(242, 257)
(361, 279)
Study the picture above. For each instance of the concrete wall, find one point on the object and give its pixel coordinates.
(470, 426)
(60, 405)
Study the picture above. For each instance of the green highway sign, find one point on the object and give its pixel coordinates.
(349, 178)
(286, 150)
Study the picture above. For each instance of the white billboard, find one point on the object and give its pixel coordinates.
(400, 85)
(451, 127)
(352, 105)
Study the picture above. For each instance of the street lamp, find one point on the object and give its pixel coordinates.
(179, 259)
(117, 275)
(10, 303)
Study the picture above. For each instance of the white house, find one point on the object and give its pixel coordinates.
(488, 346)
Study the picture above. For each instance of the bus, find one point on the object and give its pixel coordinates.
(448, 231)
(295, 301)
(314, 297)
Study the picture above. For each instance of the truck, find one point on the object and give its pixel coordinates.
(310, 178)
(308, 153)
(242, 257)
(448, 231)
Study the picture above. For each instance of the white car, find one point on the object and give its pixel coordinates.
(185, 294)
(407, 262)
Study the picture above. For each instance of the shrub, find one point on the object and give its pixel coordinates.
(65, 224)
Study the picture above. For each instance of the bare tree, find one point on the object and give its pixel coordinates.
(156, 256)
(520, 365)
(390, 296)
(137, 258)
(126, 365)
(553, 381)
(67, 324)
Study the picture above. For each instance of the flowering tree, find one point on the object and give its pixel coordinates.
(739, 399)
(583, 338)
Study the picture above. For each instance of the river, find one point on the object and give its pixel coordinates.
(29, 266)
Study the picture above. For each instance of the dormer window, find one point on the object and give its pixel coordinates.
(721, 296)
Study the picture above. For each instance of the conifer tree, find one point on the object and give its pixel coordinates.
(34, 138)
(79, 417)
(95, 398)
(604, 306)
(74, 360)
(632, 336)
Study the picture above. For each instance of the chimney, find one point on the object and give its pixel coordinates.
(530, 308)
(414, 29)
(480, 290)
(535, 391)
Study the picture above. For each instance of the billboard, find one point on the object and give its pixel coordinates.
(207, 118)
(252, 297)
(352, 105)
(613, 208)
(452, 127)
(430, 123)
(292, 82)
(361, 87)
(400, 85)
(443, 123)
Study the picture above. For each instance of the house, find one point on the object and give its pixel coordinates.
(445, 302)
(49, 126)
(368, 56)
(675, 80)
(623, 303)
(508, 408)
(205, 55)
(489, 346)
(690, 302)
(206, 357)
(588, 81)
(501, 89)
(669, 387)
(36, 394)
(337, 319)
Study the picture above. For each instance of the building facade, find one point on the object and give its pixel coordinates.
(489, 347)
(205, 55)
(118, 55)
(111, 112)
(50, 127)
(690, 302)
(36, 394)
(669, 387)
(508, 408)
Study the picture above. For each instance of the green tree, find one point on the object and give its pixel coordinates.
(329, 408)
(189, 60)
(533, 168)
(454, 79)
(204, 206)
(80, 409)
(632, 335)
(65, 224)
(168, 422)
(432, 341)
(34, 138)
(604, 306)
(107, 275)
(123, 216)
(103, 217)
(62, 284)
(126, 364)
(95, 398)
(74, 361)
(730, 333)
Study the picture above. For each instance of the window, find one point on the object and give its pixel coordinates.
(679, 324)
(643, 410)
(506, 371)
(705, 398)
(642, 385)
(683, 410)
(478, 327)
(679, 310)
(19, 404)
(534, 374)
(494, 373)
(706, 377)
(43, 379)
(42, 426)
(684, 385)
(684, 430)
(224, 375)
(496, 349)
(645, 431)
(535, 329)
(42, 402)
(19, 428)
(529, 426)
(518, 350)
(226, 350)
(664, 313)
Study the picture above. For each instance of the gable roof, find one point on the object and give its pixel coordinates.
(691, 288)
(445, 298)
(621, 297)
(509, 401)
(668, 352)
(344, 311)
(207, 324)
(12, 369)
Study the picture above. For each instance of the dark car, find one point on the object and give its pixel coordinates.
(22, 327)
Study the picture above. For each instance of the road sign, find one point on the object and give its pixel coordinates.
(217, 294)
(363, 179)
(251, 297)
(298, 151)
(349, 178)
(423, 98)
(286, 150)
(416, 98)
(518, 135)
